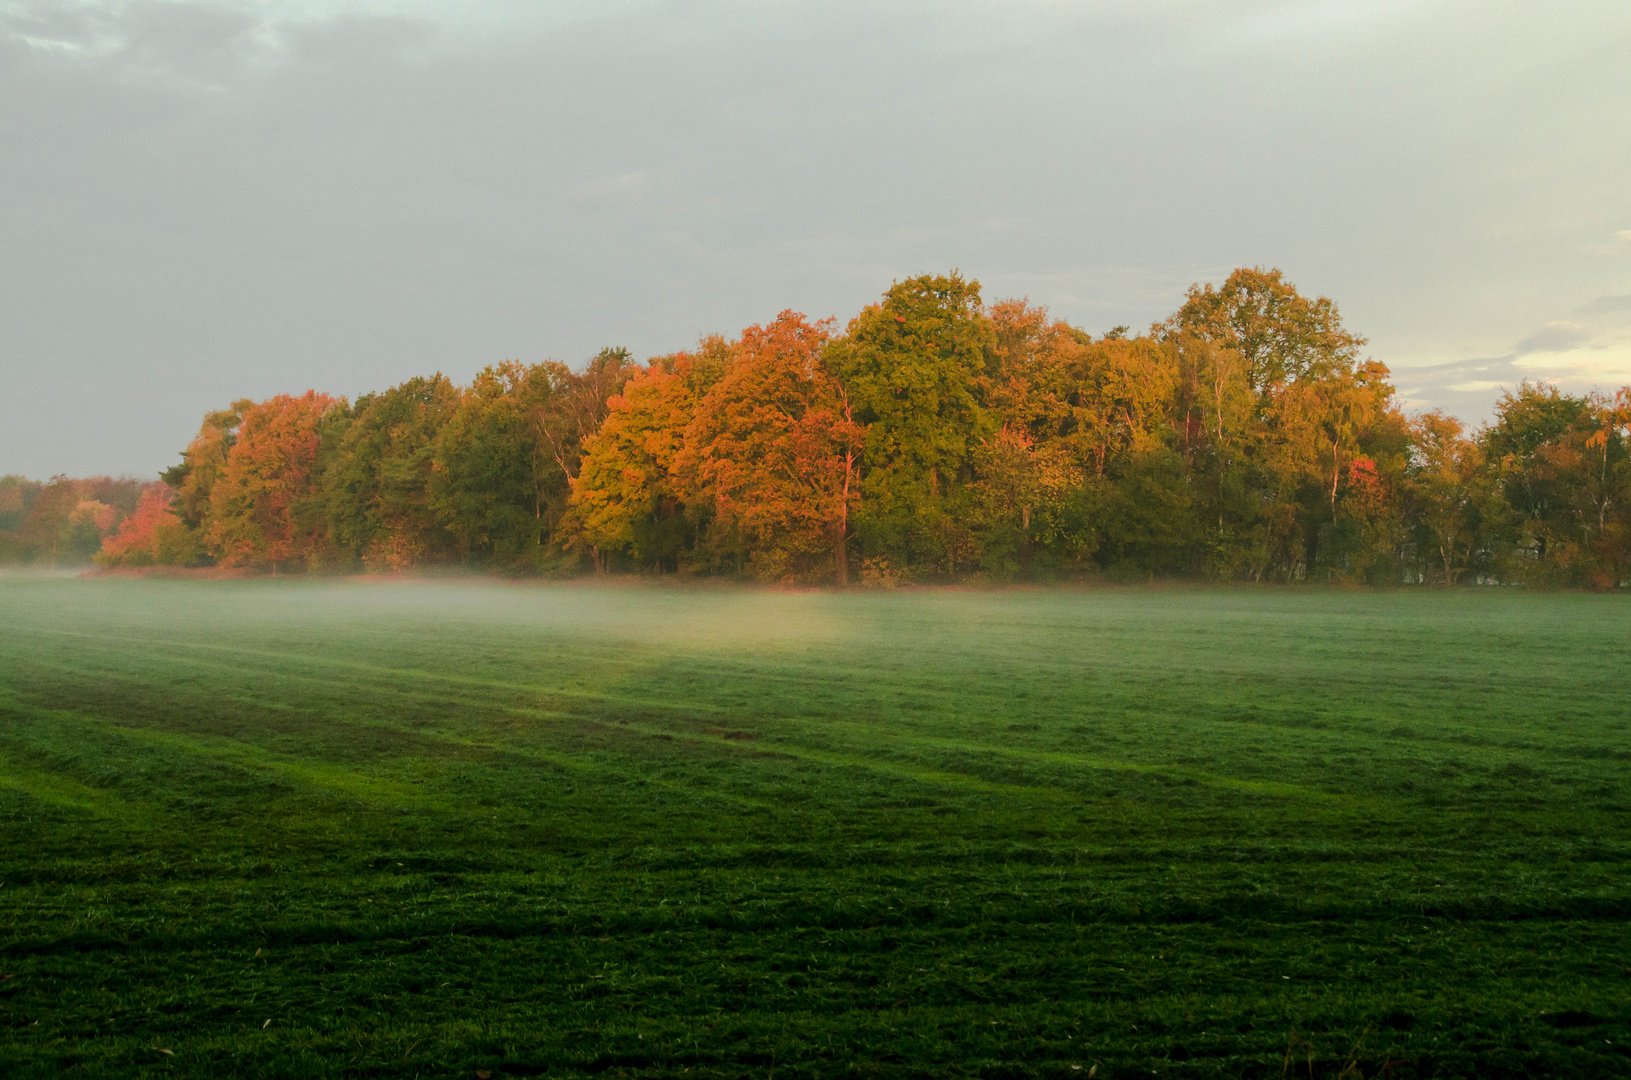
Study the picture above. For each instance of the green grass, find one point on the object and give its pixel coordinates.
(303, 829)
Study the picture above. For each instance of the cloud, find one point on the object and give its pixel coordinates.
(1554, 337)
(1590, 351)
(1618, 244)
(1611, 303)
(207, 199)
(186, 47)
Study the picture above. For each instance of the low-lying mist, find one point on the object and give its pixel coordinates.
(678, 620)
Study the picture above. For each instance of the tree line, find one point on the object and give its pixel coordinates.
(64, 521)
(934, 438)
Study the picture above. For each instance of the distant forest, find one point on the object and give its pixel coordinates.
(933, 439)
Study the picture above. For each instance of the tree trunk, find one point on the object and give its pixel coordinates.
(1336, 473)
(841, 552)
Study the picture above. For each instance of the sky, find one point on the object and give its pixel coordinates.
(204, 201)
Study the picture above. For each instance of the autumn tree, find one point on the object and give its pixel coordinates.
(1451, 500)
(66, 517)
(1609, 454)
(773, 453)
(1562, 464)
(1038, 470)
(203, 463)
(626, 497)
(578, 403)
(574, 410)
(152, 535)
(1521, 446)
(1091, 423)
(46, 531)
(261, 508)
(1281, 404)
(1603, 495)
(1313, 430)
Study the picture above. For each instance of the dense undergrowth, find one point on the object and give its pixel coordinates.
(296, 829)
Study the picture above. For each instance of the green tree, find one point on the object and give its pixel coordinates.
(1279, 334)
(1539, 446)
(915, 368)
(490, 477)
(17, 495)
(378, 460)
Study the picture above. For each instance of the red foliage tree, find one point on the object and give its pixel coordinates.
(261, 510)
(152, 535)
(773, 451)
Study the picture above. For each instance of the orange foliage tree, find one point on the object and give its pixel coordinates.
(773, 453)
(625, 497)
(261, 512)
(203, 462)
(153, 535)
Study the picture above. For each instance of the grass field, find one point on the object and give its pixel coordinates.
(300, 829)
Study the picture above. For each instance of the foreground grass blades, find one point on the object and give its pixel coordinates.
(298, 829)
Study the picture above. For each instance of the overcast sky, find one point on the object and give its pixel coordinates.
(205, 201)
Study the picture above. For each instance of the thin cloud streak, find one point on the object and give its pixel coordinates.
(1591, 351)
